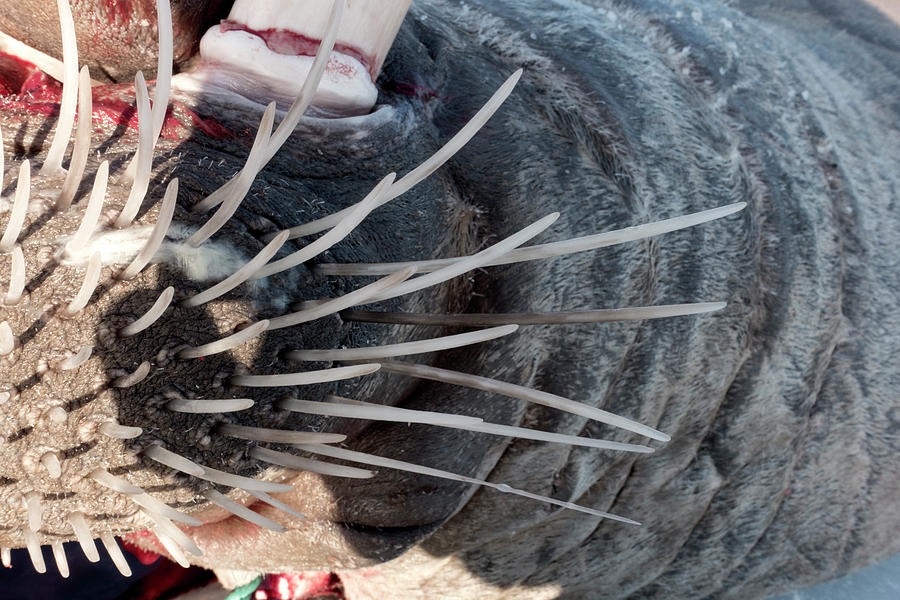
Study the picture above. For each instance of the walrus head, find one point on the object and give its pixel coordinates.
(168, 346)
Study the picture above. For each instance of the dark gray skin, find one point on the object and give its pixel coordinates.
(782, 408)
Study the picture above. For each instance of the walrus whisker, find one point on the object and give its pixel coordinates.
(166, 212)
(226, 343)
(53, 164)
(169, 528)
(144, 156)
(240, 276)
(172, 460)
(431, 164)
(355, 409)
(335, 235)
(165, 55)
(115, 553)
(600, 315)
(305, 377)
(551, 250)
(151, 503)
(119, 431)
(278, 436)
(375, 412)
(91, 278)
(186, 405)
(117, 484)
(92, 213)
(404, 348)
(84, 536)
(244, 180)
(299, 463)
(82, 146)
(390, 463)
(298, 106)
(240, 482)
(133, 378)
(50, 461)
(33, 510)
(242, 511)
(59, 556)
(275, 503)
(34, 551)
(19, 208)
(139, 496)
(152, 315)
(7, 339)
(521, 392)
(343, 227)
(172, 548)
(16, 278)
(334, 305)
(468, 263)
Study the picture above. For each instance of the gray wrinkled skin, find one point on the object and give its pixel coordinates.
(782, 408)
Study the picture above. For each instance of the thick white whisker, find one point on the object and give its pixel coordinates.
(243, 483)
(91, 278)
(605, 315)
(551, 250)
(119, 431)
(471, 262)
(169, 529)
(278, 436)
(186, 405)
(245, 177)
(276, 503)
(242, 511)
(34, 551)
(389, 463)
(405, 348)
(172, 547)
(7, 339)
(300, 463)
(84, 536)
(163, 77)
(151, 316)
(354, 298)
(298, 107)
(430, 165)
(522, 393)
(140, 497)
(376, 412)
(59, 556)
(144, 157)
(34, 509)
(92, 213)
(19, 209)
(166, 211)
(82, 145)
(16, 278)
(337, 233)
(354, 409)
(115, 553)
(239, 276)
(53, 164)
(305, 377)
(134, 378)
(172, 460)
(50, 461)
(226, 343)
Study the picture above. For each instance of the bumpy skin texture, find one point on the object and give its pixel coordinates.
(782, 408)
